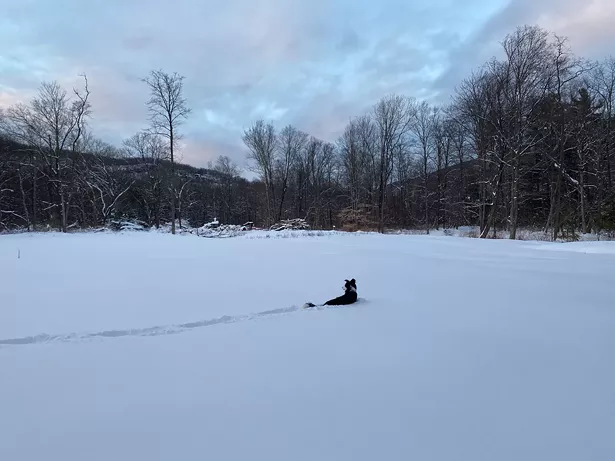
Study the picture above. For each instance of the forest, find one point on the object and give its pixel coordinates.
(527, 141)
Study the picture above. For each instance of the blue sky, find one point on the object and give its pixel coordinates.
(312, 63)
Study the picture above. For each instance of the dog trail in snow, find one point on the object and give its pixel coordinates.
(150, 331)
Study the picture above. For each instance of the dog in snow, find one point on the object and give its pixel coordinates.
(349, 296)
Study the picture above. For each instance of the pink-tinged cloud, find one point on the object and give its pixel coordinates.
(589, 25)
(9, 98)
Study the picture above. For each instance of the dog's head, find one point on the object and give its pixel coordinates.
(350, 285)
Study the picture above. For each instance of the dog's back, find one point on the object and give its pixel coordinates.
(349, 297)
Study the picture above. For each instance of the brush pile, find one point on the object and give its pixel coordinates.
(290, 224)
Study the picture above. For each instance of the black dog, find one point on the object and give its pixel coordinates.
(349, 296)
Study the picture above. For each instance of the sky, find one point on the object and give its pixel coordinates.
(310, 63)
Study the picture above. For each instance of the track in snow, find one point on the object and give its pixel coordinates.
(150, 331)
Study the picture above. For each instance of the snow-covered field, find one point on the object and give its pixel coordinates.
(145, 346)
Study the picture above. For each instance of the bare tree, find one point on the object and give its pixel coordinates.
(52, 125)
(359, 158)
(353, 168)
(262, 141)
(226, 166)
(565, 69)
(313, 169)
(107, 181)
(423, 128)
(229, 172)
(526, 76)
(473, 114)
(443, 142)
(7, 208)
(168, 109)
(291, 142)
(150, 150)
(459, 132)
(392, 116)
(602, 82)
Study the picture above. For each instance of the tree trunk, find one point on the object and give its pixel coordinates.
(64, 210)
(23, 200)
(173, 213)
(462, 195)
(490, 221)
(83, 213)
(514, 202)
(425, 185)
(439, 190)
(381, 205)
(482, 210)
(173, 191)
(34, 197)
(582, 201)
(282, 198)
(551, 216)
(179, 213)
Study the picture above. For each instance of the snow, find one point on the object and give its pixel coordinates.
(146, 346)
(583, 247)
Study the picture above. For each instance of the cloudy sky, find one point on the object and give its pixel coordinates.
(311, 63)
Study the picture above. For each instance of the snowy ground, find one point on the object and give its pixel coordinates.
(151, 347)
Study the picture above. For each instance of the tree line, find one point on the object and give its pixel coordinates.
(55, 174)
(526, 141)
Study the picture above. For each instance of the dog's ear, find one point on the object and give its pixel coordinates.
(353, 281)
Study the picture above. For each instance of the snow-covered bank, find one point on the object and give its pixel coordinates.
(173, 347)
(232, 231)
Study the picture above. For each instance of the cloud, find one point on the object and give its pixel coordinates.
(311, 63)
(587, 24)
(8, 98)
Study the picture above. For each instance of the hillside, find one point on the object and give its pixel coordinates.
(38, 187)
